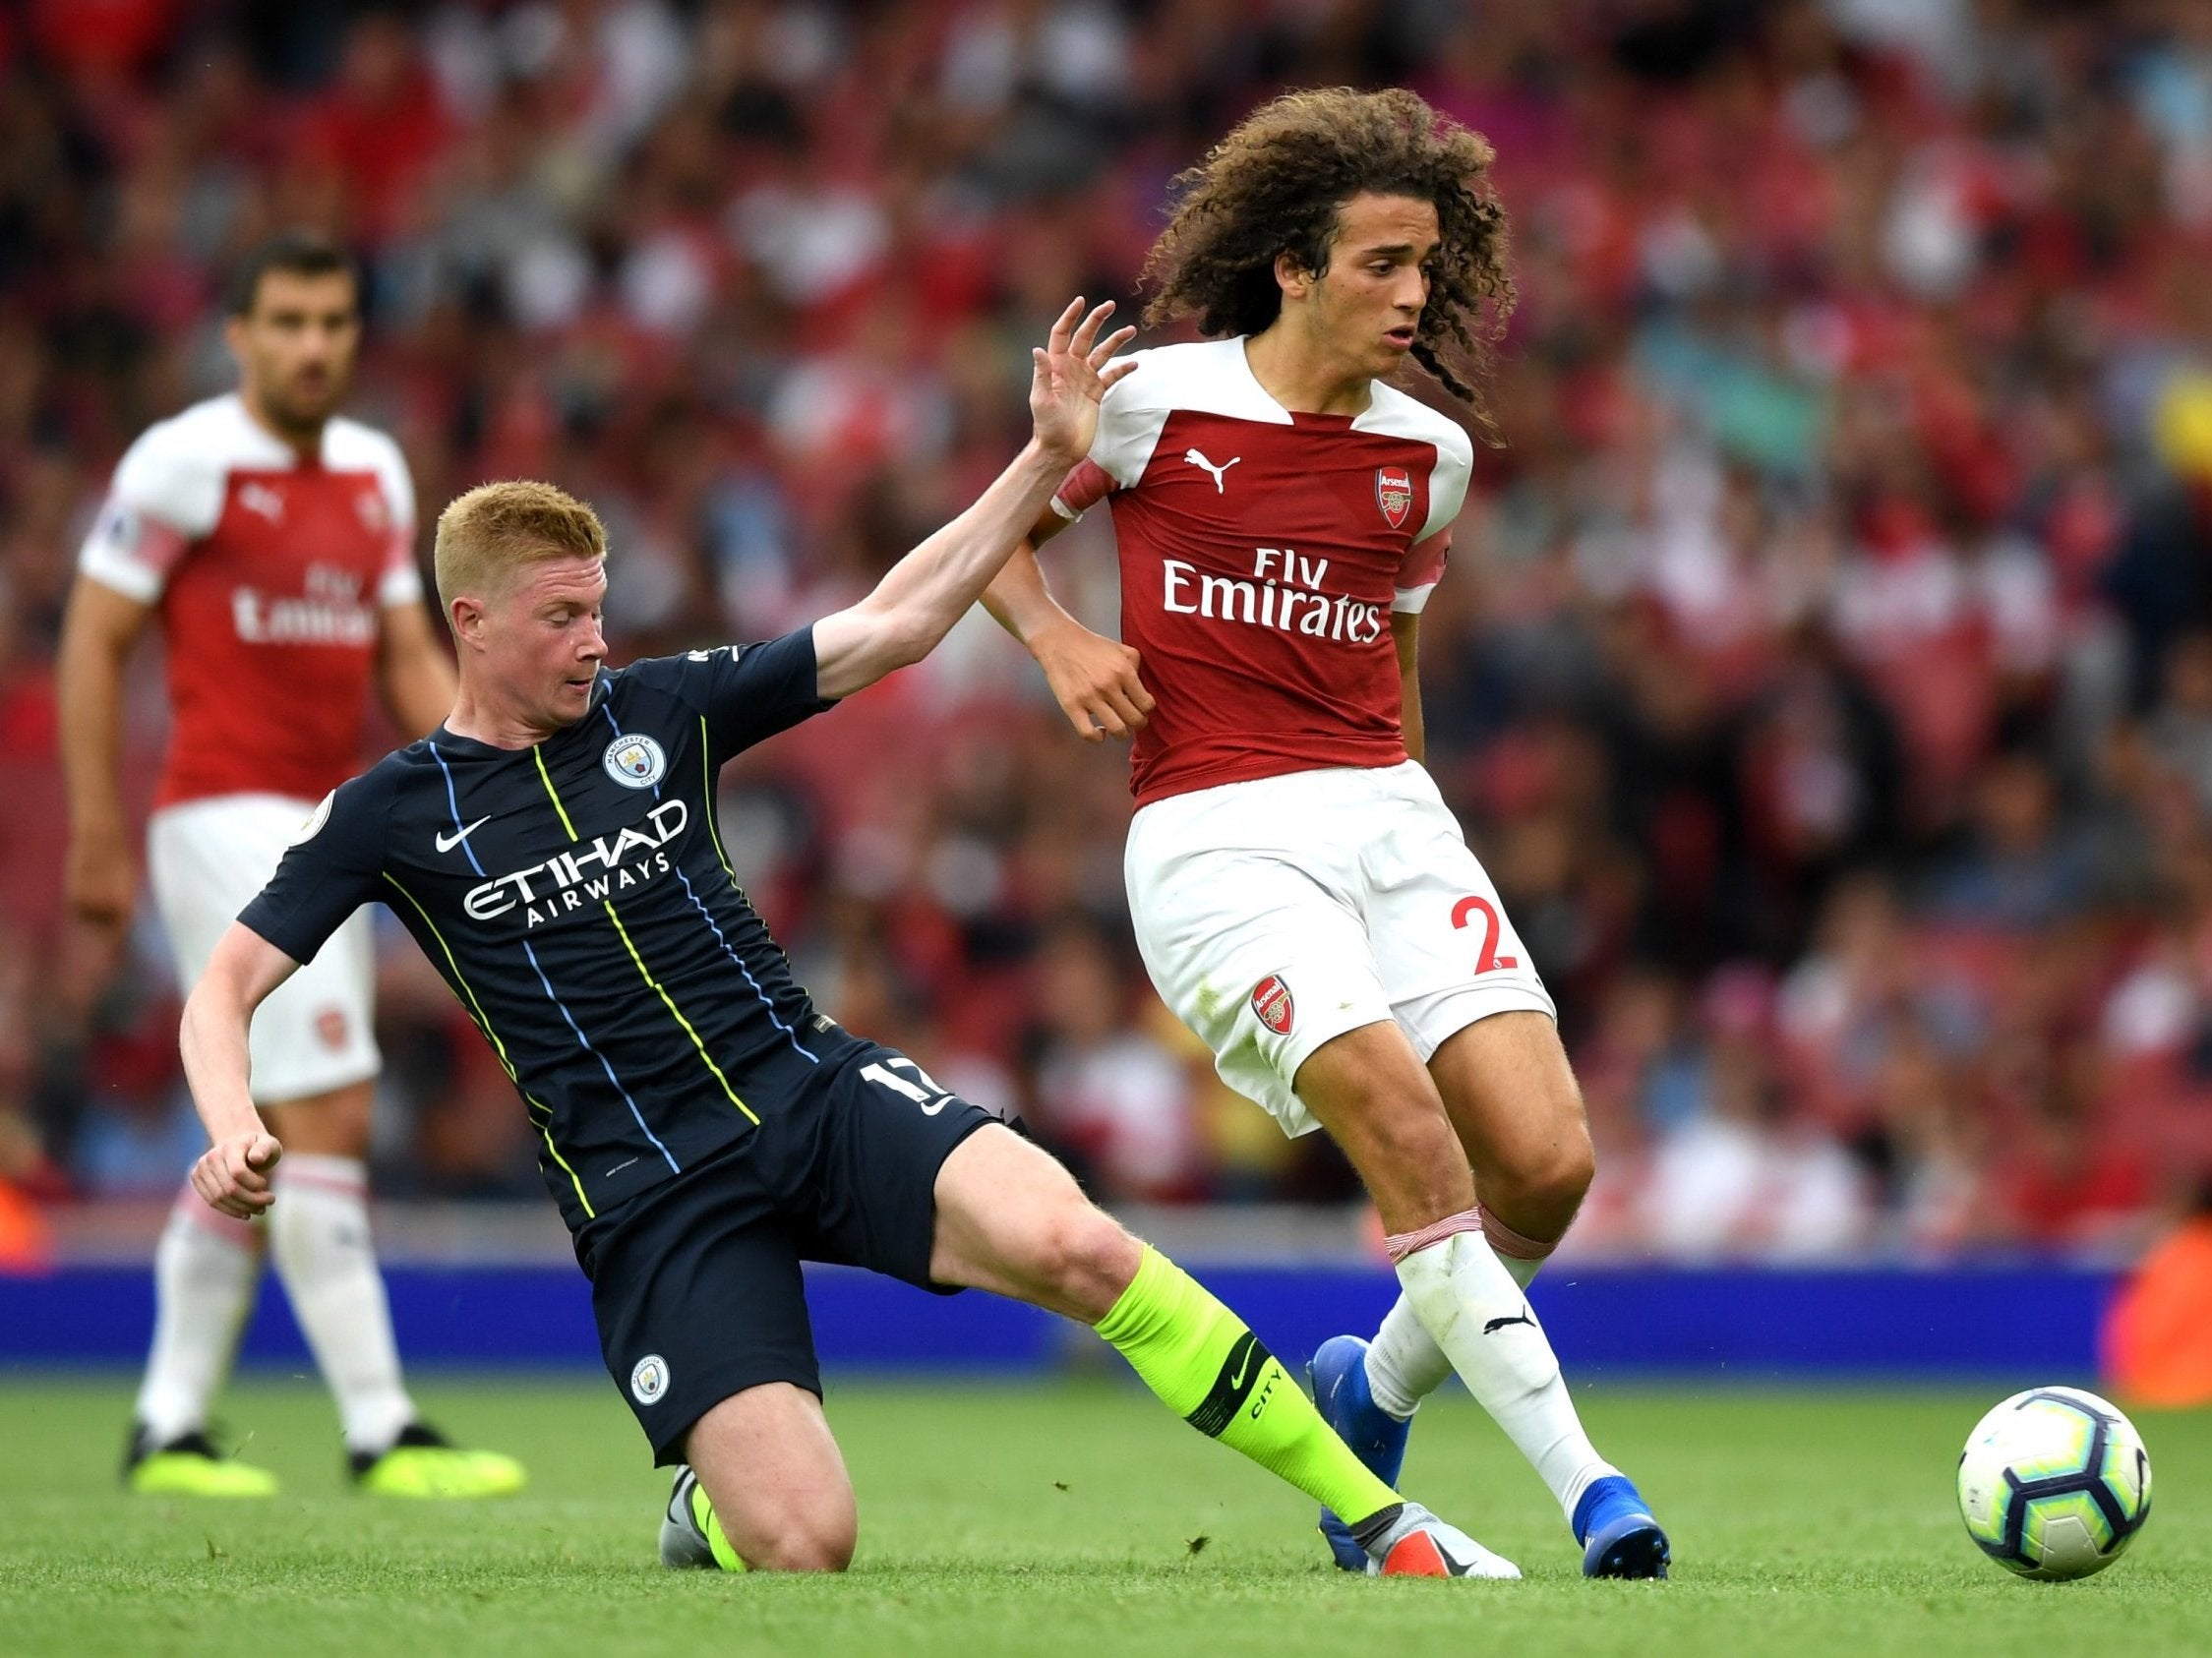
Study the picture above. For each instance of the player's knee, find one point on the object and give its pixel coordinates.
(822, 1551)
(1542, 1193)
(1565, 1175)
(804, 1554)
(1084, 1258)
(819, 1542)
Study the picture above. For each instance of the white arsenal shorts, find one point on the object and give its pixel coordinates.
(1278, 913)
(207, 860)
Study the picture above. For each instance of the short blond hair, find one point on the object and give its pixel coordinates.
(484, 537)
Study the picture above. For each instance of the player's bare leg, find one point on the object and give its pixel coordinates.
(1512, 1101)
(1385, 1109)
(765, 1488)
(1012, 1220)
(319, 1240)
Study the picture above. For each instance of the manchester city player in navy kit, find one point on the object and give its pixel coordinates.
(552, 847)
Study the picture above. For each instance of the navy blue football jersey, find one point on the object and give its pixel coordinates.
(576, 897)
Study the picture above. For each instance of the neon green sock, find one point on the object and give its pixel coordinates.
(1211, 1371)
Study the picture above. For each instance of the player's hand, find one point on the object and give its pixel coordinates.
(232, 1174)
(100, 879)
(1069, 374)
(1095, 678)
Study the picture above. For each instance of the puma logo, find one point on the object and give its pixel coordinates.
(259, 497)
(1216, 473)
(1496, 1324)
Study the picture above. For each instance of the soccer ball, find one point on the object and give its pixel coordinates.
(2054, 1484)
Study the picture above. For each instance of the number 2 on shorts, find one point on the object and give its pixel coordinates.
(1489, 961)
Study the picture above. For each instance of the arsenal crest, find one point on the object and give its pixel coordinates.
(1271, 1000)
(1394, 494)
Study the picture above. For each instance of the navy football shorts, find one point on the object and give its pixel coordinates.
(696, 1281)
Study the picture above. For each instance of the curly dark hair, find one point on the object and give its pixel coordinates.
(1274, 185)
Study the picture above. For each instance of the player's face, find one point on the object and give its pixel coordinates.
(545, 642)
(1366, 305)
(295, 347)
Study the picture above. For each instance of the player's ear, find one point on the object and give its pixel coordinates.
(1291, 275)
(465, 616)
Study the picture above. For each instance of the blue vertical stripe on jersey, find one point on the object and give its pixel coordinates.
(639, 1116)
(484, 1024)
(727, 949)
(452, 805)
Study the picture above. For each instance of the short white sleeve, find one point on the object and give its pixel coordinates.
(1448, 483)
(1130, 419)
(351, 445)
(401, 581)
(166, 494)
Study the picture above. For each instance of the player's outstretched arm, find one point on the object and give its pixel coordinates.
(233, 1175)
(926, 592)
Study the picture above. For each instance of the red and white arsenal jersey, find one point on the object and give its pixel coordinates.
(1262, 553)
(270, 573)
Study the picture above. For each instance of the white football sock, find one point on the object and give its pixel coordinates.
(318, 1235)
(205, 1269)
(1518, 1267)
(1404, 1365)
(1470, 1303)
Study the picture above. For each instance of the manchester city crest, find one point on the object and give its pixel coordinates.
(634, 762)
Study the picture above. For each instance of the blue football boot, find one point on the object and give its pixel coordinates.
(1619, 1537)
(1338, 1376)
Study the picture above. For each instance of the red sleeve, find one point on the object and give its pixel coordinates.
(1083, 489)
(1423, 570)
(132, 550)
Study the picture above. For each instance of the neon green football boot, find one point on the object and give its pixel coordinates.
(423, 1462)
(691, 1538)
(189, 1466)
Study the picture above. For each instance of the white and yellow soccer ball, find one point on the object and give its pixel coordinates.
(2054, 1484)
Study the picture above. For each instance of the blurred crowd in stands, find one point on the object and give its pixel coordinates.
(1824, 670)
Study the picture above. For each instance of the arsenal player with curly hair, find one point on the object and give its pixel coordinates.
(1303, 897)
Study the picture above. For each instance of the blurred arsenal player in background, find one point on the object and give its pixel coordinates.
(272, 541)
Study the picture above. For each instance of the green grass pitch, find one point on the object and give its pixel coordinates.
(1070, 1518)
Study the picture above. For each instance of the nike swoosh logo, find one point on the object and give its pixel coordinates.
(447, 843)
(1496, 1324)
